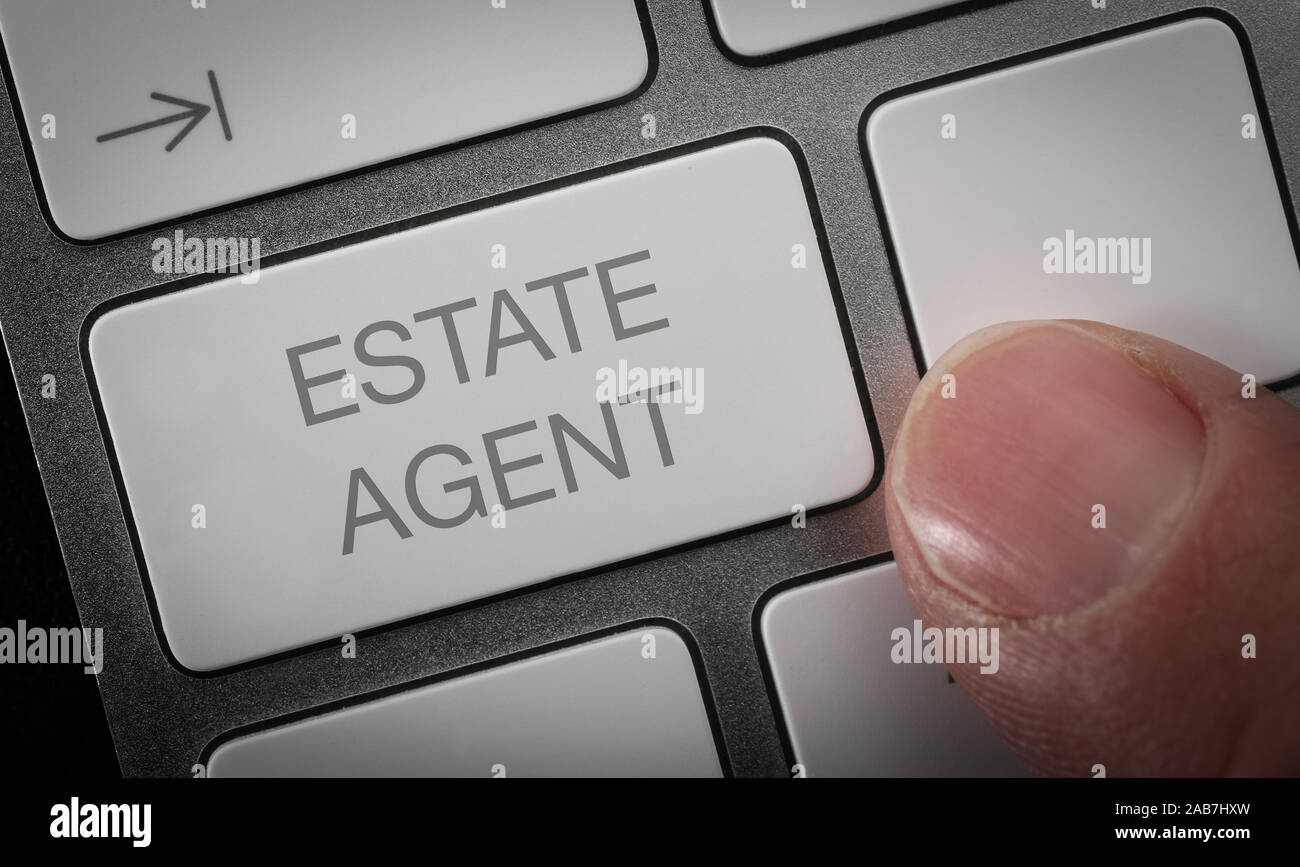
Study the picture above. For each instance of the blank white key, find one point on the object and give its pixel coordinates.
(1128, 181)
(627, 705)
(754, 28)
(849, 709)
(273, 86)
(234, 398)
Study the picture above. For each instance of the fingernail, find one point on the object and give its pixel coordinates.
(1054, 473)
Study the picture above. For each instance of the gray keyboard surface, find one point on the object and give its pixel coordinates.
(163, 718)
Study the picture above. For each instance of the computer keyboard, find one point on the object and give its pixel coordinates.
(529, 422)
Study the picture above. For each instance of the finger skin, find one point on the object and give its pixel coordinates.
(1150, 679)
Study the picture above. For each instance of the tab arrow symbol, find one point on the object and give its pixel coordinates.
(194, 112)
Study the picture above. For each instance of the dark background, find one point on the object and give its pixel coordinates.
(52, 722)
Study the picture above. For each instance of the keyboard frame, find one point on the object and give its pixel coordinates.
(162, 718)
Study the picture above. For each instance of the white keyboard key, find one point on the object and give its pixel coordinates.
(756, 28)
(849, 709)
(272, 87)
(627, 705)
(1129, 181)
(497, 462)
